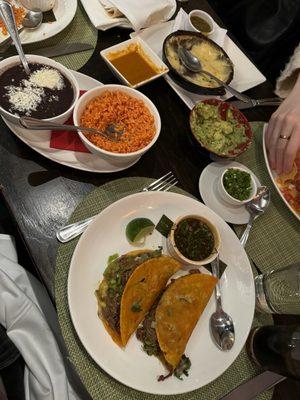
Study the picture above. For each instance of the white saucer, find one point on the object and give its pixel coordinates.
(40, 142)
(209, 192)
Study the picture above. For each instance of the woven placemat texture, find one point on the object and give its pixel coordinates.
(97, 382)
(274, 241)
(80, 30)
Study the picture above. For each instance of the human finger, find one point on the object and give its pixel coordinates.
(280, 150)
(272, 148)
(291, 149)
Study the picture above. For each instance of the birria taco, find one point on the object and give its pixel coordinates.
(171, 320)
(130, 285)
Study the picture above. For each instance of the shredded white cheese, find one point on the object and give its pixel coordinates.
(24, 99)
(47, 78)
(27, 97)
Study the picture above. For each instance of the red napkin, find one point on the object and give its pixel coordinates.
(66, 140)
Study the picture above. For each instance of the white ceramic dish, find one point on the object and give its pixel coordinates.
(208, 188)
(174, 252)
(228, 198)
(117, 159)
(146, 49)
(59, 119)
(64, 11)
(131, 366)
(246, 75)
(43, 5)
(206, 17)
(39, 141)
(273, 174)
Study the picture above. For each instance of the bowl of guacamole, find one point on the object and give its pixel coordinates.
(220, 128)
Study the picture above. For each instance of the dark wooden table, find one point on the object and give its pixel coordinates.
(41, 195)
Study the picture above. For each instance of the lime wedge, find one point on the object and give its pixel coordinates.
(138, 229)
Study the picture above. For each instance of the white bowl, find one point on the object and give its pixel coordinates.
(116, 158)
(43, 5)
(231, 200)
(147, 50)
(59, 119)
(175, 253)
(202, 14)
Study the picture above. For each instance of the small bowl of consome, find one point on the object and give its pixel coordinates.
(194, 240)
(131, 111)
(134, 63)
(49, 92)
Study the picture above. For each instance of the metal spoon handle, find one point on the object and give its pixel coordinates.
(7, 15)
(38, 124)
(245, 235)
(215, 265)
(230, 89)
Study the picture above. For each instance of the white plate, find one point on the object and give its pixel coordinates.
(246, 75)
(64, 11)
(40, 142)
(273, 174)
(208, 187)
(106, 236)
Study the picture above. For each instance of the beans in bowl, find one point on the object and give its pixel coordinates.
(118, 108)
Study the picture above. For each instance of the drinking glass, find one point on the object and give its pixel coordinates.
(278, 291)
(276, 348)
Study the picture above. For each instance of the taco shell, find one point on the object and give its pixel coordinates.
(145, 283)
(178, 311)
(141, 291)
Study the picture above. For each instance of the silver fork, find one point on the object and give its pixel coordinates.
(71, 231)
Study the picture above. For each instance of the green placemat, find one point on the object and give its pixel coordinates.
(275, 237)
(97, 382)
(80, 30)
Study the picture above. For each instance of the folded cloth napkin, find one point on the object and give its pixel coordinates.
(31, 323)
(67, 140)
(105, 14)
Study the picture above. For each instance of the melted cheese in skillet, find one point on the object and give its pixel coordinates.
(212, 60)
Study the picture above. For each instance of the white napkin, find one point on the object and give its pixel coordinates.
(30, 319)
(105, 14)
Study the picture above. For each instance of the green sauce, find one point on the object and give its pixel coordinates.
(200, 24)
(194, 239)
(237, 183)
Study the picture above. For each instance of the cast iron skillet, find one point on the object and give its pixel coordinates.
(182, 81)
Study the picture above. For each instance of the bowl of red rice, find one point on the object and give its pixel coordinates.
(124, 107)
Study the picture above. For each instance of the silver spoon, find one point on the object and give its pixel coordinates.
(221, 324)
(32, 20)
(193, 63)
(112, 131)
(7, 15)
(256, 207)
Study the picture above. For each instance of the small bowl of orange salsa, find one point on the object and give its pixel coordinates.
(134, 63)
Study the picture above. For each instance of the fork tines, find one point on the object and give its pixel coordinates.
(164, 183)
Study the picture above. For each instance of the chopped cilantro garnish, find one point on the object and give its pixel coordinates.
(136, 306)
(112, 258)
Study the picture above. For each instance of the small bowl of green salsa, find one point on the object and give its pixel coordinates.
(194, 240)
(200, 21)
(237, 186)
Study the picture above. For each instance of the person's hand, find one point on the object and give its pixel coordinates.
(283, 133)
